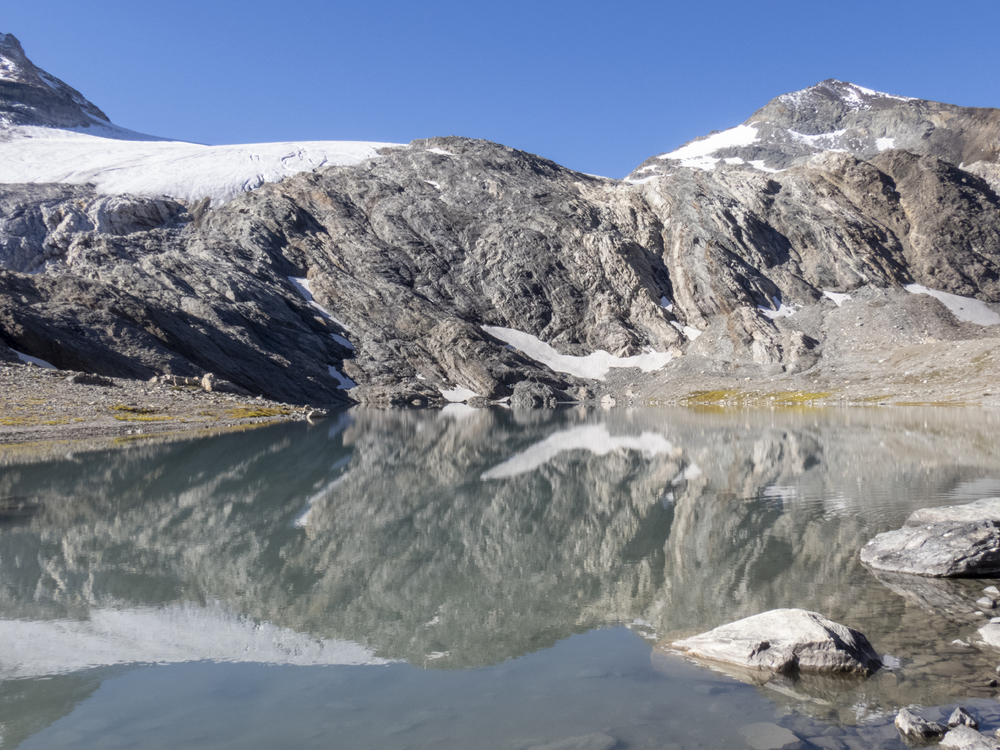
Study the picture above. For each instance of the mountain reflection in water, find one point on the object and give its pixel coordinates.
(463, 539)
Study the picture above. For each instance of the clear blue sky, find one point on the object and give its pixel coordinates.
(598, 87)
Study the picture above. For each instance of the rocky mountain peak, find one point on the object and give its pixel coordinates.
(844, 117)
(821, 108)
(30, 96)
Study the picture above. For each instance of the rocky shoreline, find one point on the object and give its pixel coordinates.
(39, 405)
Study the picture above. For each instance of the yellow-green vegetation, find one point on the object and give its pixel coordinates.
(134, 409)
(799, 397)
(710, 397)
(247, 412)
(140, 418)
(735, 397)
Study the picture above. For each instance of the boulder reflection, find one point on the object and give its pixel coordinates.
(464, 538)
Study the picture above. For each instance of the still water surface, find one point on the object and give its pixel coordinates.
(477, 579)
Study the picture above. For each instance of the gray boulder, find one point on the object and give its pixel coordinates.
(967, 738)
(785, 640)
(961, 716)
(913, 728)
(949, 549)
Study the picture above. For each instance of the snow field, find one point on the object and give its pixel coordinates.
(117, 161)
(594, 366)
(966, 309)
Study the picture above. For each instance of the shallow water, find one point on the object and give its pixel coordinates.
(478, 579)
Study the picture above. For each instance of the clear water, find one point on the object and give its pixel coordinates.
(478, 579)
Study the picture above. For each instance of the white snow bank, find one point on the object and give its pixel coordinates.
(594, 366)
(783, 311)
(964, 308)
(458, 394)
(837, 297)
(593, 438)
(28, 359)
(344, 383)
(187, 171)
(691, 333)
(698, 154)
(885, 143)
(177, 633)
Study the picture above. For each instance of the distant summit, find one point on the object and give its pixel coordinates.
(30, 96)
(839, 116)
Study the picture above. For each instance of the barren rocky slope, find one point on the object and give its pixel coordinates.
(450, 264)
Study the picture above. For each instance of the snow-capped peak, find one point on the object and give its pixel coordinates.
(853, 97)
(50, 133)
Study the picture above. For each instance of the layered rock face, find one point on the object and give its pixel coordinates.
(30, 96)
(409, 255)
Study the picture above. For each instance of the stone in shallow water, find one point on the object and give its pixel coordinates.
(961, 716)
(948, 549)
(967, 738)
(766, 736)
(912, 727)
(785, 640)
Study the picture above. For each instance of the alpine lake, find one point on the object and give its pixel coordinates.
(481, 579)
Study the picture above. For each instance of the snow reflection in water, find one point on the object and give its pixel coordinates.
(461, 544)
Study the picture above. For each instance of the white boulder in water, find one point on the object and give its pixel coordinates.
(785, 640)
(950, 542)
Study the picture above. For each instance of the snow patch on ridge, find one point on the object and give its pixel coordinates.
(783, 311)
(593, 438)
(837, 297)
(594, 366)
(966, 309)
(698, 154)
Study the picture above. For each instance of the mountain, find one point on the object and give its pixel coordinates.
(840, 117)
(833, 235)
(30, 96)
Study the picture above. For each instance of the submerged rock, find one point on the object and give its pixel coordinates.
(947, 549)
(785, 640)
(767, 736)
(912, 727)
